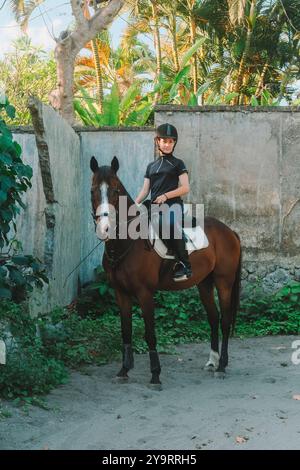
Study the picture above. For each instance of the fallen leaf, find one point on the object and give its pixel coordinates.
(296, 397)
(241, 439)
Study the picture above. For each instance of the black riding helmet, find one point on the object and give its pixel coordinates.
(167, 131)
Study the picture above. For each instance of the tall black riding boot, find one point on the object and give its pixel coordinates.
(183, 268)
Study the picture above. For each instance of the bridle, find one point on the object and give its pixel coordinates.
(96, 215)
(114, 258)
(113, 261)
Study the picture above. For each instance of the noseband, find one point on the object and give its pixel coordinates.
(103, 214)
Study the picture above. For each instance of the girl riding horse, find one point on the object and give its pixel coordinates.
(167, 179)
(135, 269)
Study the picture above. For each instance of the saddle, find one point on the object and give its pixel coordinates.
(194, 235)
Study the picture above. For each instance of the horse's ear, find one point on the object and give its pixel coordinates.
(115, 164)
(94, 164)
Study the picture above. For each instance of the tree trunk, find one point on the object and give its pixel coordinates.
(174, 41)
(157, 44)
(70, 44)
(261, 79)
(62, 98)
(242, 67)
(98, 70)
(241, 72)
(194, 58)
(157, 41)
(94, 46)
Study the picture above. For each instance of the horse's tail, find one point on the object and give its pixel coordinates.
(236, 288)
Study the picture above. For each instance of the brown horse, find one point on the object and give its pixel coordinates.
(135, 270)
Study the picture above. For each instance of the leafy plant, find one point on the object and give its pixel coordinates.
(37, 362)
(131, 110)
(17, 272)
(26, 70)
(28, 371)
(14, 175)
(265, 99)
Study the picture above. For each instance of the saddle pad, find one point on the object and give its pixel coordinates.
(196, 240)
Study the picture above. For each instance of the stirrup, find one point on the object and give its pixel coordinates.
(183, 273)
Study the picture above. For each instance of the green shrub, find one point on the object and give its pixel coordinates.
(18, 272)
(45, 346)
(28, 370)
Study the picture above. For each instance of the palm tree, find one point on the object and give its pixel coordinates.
(148, 15)
(129, 64)
(169, 10)
(23, 9)
(243, 11)
(145, 17)
(188, 10)
(248, 46)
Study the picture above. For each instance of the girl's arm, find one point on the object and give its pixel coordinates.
(144, 191)
(183, 189)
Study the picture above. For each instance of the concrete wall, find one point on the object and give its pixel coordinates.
(57, 225)
(134, 150)
(244, 166)
(48, 228)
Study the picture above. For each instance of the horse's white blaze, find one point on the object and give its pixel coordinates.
(103, 225)
(213, 361)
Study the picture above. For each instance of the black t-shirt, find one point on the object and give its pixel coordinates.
(164, 176)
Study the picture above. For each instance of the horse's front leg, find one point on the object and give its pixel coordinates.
(125, 304)
(146, 301)
(224, 293)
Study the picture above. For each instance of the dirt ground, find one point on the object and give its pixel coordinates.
(253, 408)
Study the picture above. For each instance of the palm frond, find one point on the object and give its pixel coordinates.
(23, 9)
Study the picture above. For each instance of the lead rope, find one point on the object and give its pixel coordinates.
(101, 241)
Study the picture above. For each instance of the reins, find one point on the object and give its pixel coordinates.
(101, 241)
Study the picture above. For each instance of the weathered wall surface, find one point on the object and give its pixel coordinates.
(48, 227)
(244, 167)
(57, 225)
(134, 150)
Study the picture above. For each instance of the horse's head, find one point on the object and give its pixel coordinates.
(105, 192)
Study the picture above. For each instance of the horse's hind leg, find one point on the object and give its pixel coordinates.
(125, 304)
(224, 292)
(206, 291)
(146, 301)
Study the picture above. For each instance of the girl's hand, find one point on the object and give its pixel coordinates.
(161, 199)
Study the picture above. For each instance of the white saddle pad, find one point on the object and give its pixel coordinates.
(196, 240)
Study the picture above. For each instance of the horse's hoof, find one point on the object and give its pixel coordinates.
(209, 367)
(155, 387)
(120, 379)
(219, 374)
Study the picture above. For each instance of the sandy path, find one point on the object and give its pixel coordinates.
(194, 410)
